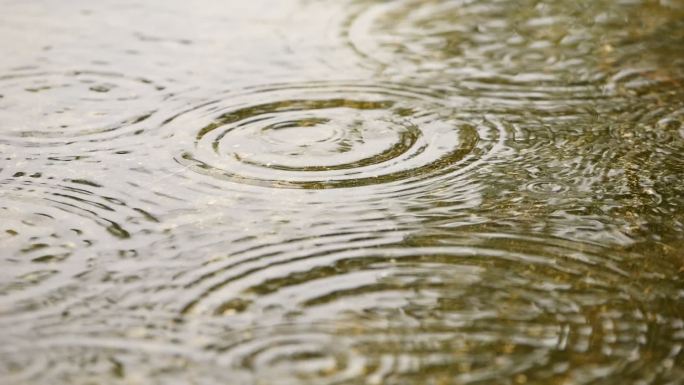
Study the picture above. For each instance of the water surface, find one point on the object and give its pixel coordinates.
(342, 192)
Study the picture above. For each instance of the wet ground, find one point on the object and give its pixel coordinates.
(342, 192)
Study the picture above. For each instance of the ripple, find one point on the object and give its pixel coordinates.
(129, 347)
(49, 229)
(546, 49)
(60, 108)
(545, 187)
(328, 135)
(293, 354)
(461, 308)
(500, 202)
(92, 361)
(20, 369)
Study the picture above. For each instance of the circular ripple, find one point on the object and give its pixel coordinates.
(527, 50)
(48, 230)
(293, 354)
(317, 136)
(474, 308)
(58, 108)
(546, 187)
(89, 361)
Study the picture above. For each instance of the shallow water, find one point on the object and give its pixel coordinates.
(342, 192)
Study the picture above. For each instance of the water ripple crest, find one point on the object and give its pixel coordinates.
(331, 135)
(59, 108)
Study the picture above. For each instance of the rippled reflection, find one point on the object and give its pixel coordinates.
(342, 192)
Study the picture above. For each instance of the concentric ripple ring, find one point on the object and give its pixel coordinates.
(465, 308)
(329, 135)
(59, 108)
